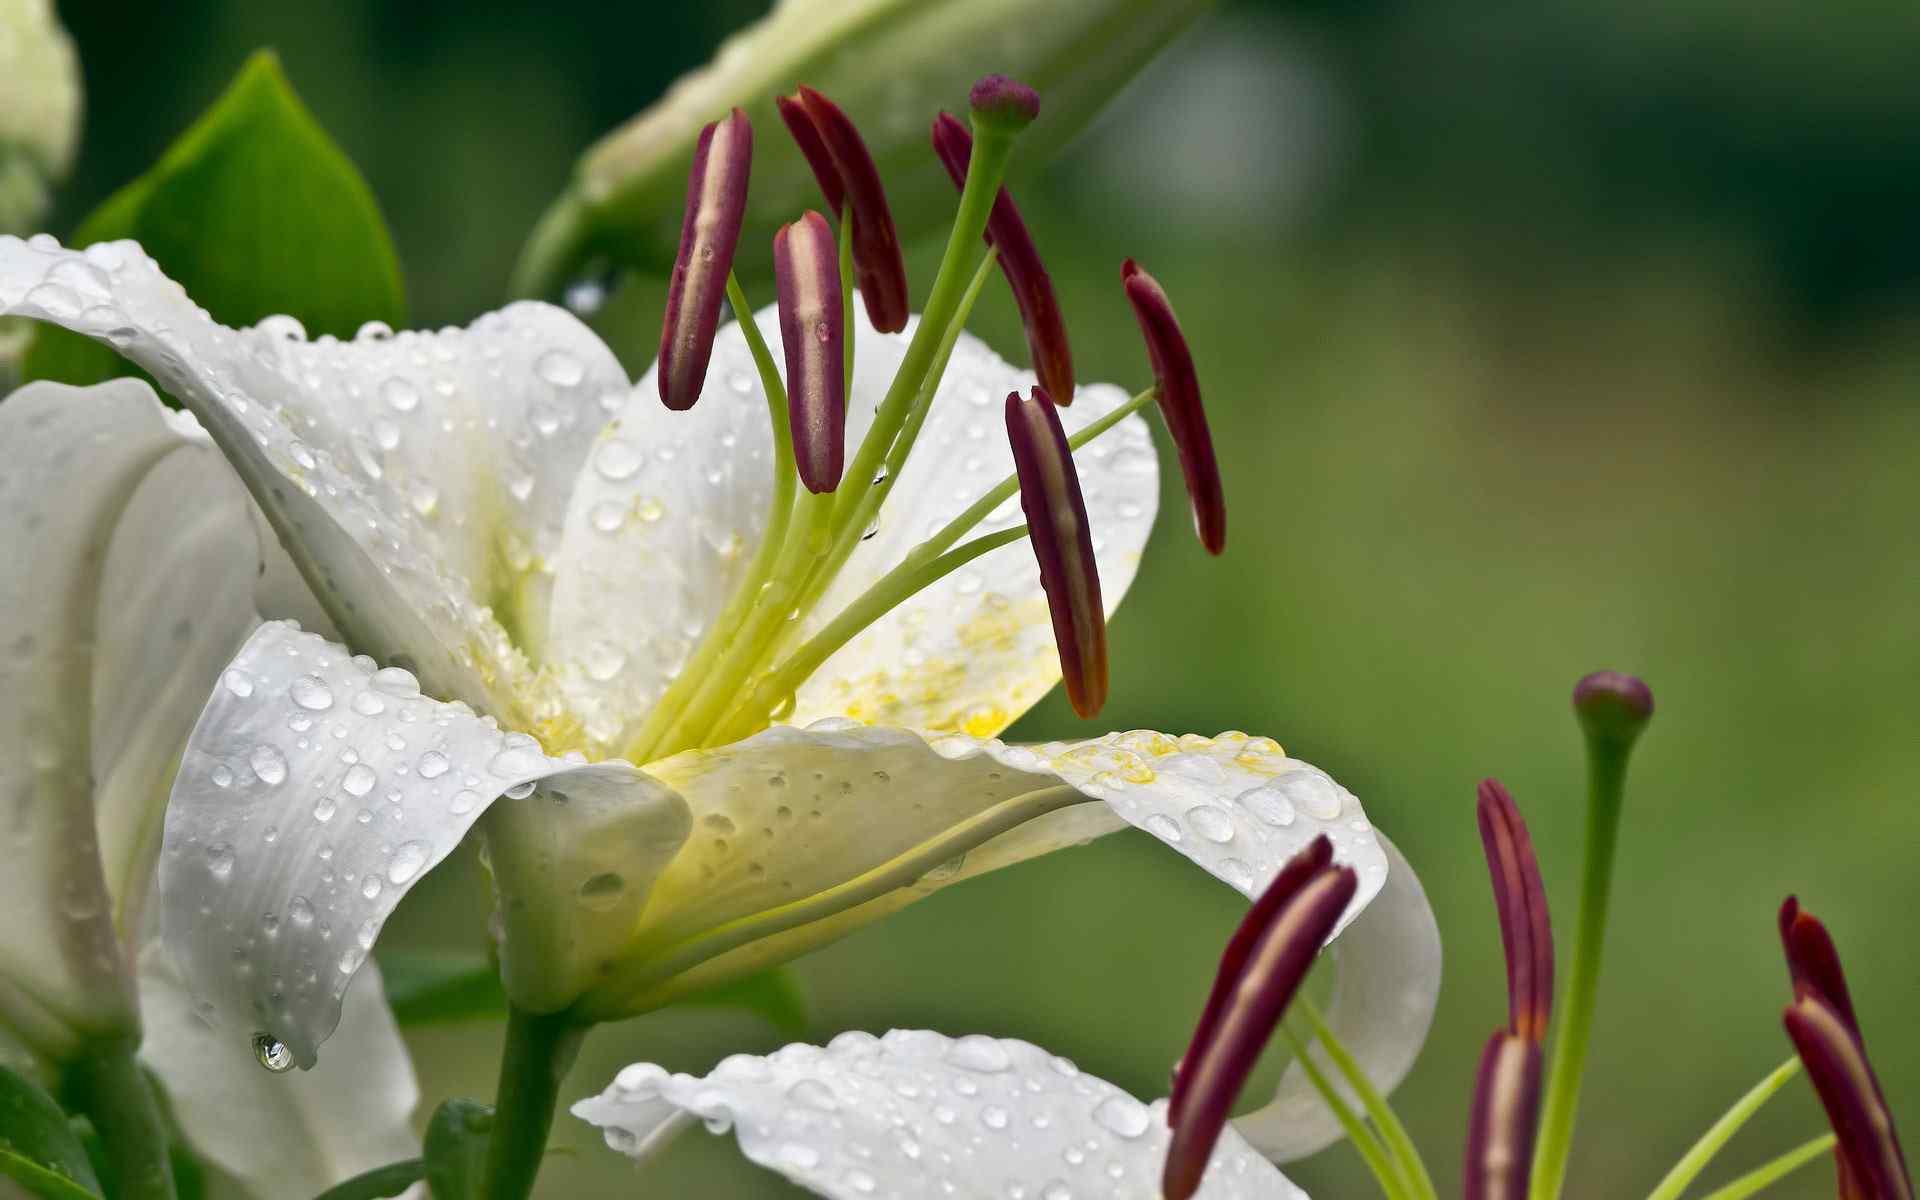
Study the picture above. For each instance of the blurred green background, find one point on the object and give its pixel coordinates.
(1537, 338)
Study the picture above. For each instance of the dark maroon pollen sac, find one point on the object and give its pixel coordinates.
(1504, 1120)
(851, 184)
(709, 233)
(1179, 395)
(807, 275)
(1264, 963)
(1020, 263)
(1063, 545)
(1521, 900)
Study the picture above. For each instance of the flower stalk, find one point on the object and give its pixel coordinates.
(108, 1085)
(540, 1048)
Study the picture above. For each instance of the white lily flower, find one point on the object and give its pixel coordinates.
(128, 581)
(39, 108)
(916, 1113)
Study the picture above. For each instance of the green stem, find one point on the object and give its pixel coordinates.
(109, 1087)
(1606, 775)
(1771, 1173)
(1398, 1142)
(1695, 1160)
(389, 1180)
(540, 1047)
(1385, 1172)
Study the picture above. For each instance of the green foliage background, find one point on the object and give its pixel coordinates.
(1537, 338)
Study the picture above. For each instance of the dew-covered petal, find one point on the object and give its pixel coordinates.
(801, 836)
(314, 792)
(917, 1113)
(282, 1135)
(418, 479)
(1386, 984)
(95, 476)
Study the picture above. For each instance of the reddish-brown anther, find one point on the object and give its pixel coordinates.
(1504, 1120)
(1263, 967)
(807, 276)
(851, 183)
(1179, 396)
(1521, 899)
(1020, 263)
(1872, 1162)
(716, 205)
(1063, 544)
(1813, 963)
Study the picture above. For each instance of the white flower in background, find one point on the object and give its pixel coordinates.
(128, 581)
(39, 109)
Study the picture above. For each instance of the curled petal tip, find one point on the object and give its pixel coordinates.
(807, 275)
(1020, 262)
(851, 183)
(709, 233)
(1003, 102)
(1526, 932)
(1063, 544)
(1179, 396)
(1613, 705)
(1504, 1120)
(1869, 1148)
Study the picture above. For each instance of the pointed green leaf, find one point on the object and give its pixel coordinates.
(255, 211)
(456, 1149)
(389, 1180)
(38, 1148)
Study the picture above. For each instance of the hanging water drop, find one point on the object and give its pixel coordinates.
(272, 1053)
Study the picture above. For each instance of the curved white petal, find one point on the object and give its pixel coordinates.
(314, 792)
(917, 1114)
(418, 479)
(1386, 985)
(77, 460)
(282, 1135)
(668, 512)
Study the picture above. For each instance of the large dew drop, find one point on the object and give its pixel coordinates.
(272, 1053)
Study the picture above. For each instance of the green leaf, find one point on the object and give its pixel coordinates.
(389, 1180)
(774, 995)
(38, 1148)
(456, 1149)
(255, 211)
(427, 987)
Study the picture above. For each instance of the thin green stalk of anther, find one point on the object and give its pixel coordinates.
(1721, 1132)
(779, 513)
(1767, 1175)
(894, 588)
(1375, 1155)
(1393, 1133)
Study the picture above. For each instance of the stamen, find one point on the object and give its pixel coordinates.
(1003, 102)
(1179, 387)
(876, 248)
(1269, 966)
(1063, 544)
(1813, 963)
(807, 272)
(1837, 1065)
(716, 205)
(800, 125)
(1020, 262)
(1521, 898)
(1506, 1111)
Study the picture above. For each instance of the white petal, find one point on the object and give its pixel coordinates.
(1386, 984)
(282, 1135)
(313, 794)
(667, 515)
(917, 1114)
(418, 479)
(76, 458)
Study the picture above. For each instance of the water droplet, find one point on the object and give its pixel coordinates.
(1210, 823)
(993, 1117)
(1269, 802)
(220, 861)
(407, 861)
(616, 460)
(604, 661)
(650, 510)
(811, 1093)
(238, 682)
(300, 912)
(373, 331)
(796, 1154)
(281, 326)
(368, 704)
(310, 692)
(977, 1052)
(222, 776)
(463, 802)
(324, 808)
(1311, 789)
(424, 497)
(559, 368)
(269, 764)
(1122, 1115)
(272, 1053)
(359, 779)
(520, 791)
(433, 765)
(1162, 826)
(607, 516)
(370, 886)
(400, 395)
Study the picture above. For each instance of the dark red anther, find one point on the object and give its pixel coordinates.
(1504, 1120)
(716, 205)
(1179, 396)
(1521, 899)
(852, 188)
(1063, 543)
(1813, 964)
(1020, 263)
(1263, 967)
(806, 272)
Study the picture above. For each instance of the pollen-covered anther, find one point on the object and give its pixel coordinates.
(1063, 544)
(1504, 1119)
(1264, 963)
(1020, 263)
(1520, 897)
(851, 184)
(709, 233)
(1178, 392)
(807, 275)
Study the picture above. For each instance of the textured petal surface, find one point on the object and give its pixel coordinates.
(314, 792)
(76, 460)
(282, 1135)
(802, 835)
(1386, 984)
(418, 479)
(916, 1114)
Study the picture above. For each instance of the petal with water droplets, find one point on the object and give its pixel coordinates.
(916, 1113)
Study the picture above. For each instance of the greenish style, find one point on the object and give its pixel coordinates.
(38, 1150)
(890, 64)
(256, 211)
